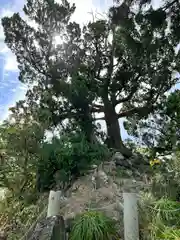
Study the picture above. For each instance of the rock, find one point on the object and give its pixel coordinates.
(109, 167)
(101, 178)
(48, 229)
(137, 164)
(94, 166)
(139, 159)
(127, 163)
(120, 160)
(108, 195)
(69, 224)
(118, 157)
(93, 180)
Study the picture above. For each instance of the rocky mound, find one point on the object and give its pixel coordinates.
(101, 190)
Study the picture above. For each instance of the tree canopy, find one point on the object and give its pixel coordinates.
(120, 66)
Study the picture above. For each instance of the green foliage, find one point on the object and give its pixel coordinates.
(160, 132)
(52, 163)
(16, 217)
(68, 157)
(165, 180)
(93, 226)
(159, 219)
(168, 211)
(160, 213)
(21, 144)
(170, 234)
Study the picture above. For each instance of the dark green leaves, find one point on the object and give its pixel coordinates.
(156, 17)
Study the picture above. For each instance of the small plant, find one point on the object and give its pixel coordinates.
(159, 219)
(168, 210)
(171, 234)
(93, 225)
(161, 231)
(154, 162)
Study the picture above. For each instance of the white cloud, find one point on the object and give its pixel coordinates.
(22, 87)
(157, 3)
(10, 63)
(14, 90)
(85, 8)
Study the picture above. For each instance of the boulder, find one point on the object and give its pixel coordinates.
(120, 160)
(137, 165)
(118, 157)
(100, 178)
(49, 229)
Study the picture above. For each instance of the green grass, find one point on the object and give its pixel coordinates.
(159, 219)
(93, 225)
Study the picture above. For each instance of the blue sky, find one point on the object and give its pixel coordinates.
(11, 90)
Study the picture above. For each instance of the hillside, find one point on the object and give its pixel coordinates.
(100, 190)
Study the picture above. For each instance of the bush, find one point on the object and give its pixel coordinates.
(16, 217)
(68, 157)
(93, 226)
(168, 210)
(166, 180)
(159, 219)
(171, 234)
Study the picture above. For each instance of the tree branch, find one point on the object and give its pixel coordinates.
(134, 89)
(132, 92)
(111, 63)
(97, 60)
(157, 129)
(170, 4)
(143, 111)
(100, 118)
(97, 108)
(98, 105)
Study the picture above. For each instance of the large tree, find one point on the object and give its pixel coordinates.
(120, 66)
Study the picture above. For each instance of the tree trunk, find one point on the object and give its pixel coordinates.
(113, 130)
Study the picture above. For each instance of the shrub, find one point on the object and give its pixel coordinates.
(16, 218)
(171, 234)
(93, 225)
(166, 179)
(67, 157)
(168, 210)
(159, 219)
